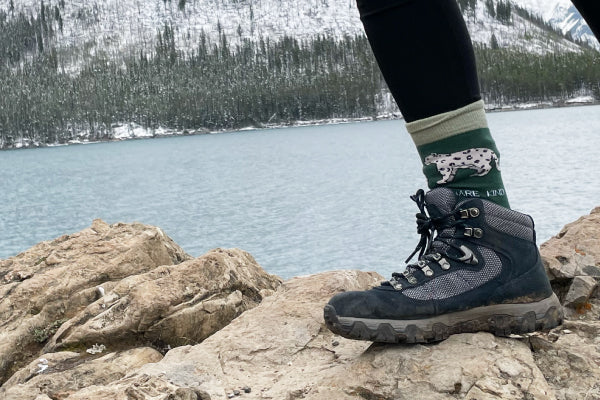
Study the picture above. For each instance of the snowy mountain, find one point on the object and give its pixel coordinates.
(564, 15)
(122, 27)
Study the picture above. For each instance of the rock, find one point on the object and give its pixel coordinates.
(170, 305)
(572, 260)
(576, 248)
(142, 387)
(570, 363)
(114, 287)
(284, 349)
(53, 281)
(67, 372)
(580, 291)
(280, 345)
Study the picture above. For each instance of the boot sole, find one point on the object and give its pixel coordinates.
(499, 319)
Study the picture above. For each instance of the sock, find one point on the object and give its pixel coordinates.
(458, 152)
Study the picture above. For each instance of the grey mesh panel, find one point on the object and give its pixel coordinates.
(508, 221)
(507, 214)
(443, 287)
(443, 198)
(509, 227)
(459, 281)
(441, 247)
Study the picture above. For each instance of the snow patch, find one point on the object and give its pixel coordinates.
(581, 100)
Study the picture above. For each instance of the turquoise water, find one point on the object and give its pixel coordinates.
(301, 200)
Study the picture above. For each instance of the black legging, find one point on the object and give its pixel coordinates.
(425, 53)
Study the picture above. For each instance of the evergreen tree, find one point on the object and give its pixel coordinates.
(494, 42)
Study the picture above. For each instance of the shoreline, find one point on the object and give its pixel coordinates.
(126, 131)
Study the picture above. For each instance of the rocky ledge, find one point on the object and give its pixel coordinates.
(121, 312)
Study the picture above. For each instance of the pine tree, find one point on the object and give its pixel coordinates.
(494, 42)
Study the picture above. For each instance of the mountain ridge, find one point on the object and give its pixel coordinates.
(116, 28)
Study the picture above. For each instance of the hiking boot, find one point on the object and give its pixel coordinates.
(479, 269)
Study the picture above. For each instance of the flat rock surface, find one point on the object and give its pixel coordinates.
(282, 350)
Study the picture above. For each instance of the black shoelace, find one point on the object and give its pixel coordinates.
(431, 248)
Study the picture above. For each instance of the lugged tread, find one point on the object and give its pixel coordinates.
(499, 325)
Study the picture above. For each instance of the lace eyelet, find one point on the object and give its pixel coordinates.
(411, 279)
(472, 212)
(395, 284)
(477, 233)
(444, 264)
(427, 271)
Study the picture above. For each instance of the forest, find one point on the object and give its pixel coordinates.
(221, 86)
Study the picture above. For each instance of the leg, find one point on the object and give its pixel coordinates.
(479, 268)
(432, 75)
(429, 69)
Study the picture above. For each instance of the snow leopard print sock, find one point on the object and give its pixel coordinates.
(457, 151)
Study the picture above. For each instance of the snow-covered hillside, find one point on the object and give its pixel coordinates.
(121, 27)
(564, 15)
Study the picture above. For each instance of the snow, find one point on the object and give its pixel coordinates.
(564, 15)
(42, 365)
(131, 131)
(581, 100)
(119, 28)
(95, 349)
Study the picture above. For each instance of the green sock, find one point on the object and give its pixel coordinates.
(458, 152)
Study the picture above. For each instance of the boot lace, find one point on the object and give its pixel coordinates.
(436, 239)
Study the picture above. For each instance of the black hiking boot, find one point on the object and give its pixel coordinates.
(479, 269)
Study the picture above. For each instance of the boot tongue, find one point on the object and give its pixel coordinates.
(440, 201)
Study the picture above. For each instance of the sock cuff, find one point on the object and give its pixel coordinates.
(445, 125)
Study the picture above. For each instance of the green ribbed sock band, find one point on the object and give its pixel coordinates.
(458, 151)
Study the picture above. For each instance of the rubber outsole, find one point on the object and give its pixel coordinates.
(499, 319)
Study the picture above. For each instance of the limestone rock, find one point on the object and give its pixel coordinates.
(57, 375)
(569, 358)
(572, 260)
(282, 350)
(171, 305)
(142, 387)
(580, 291)
(575, 250)
(48, 284)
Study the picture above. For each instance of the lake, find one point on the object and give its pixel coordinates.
(301, 200)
